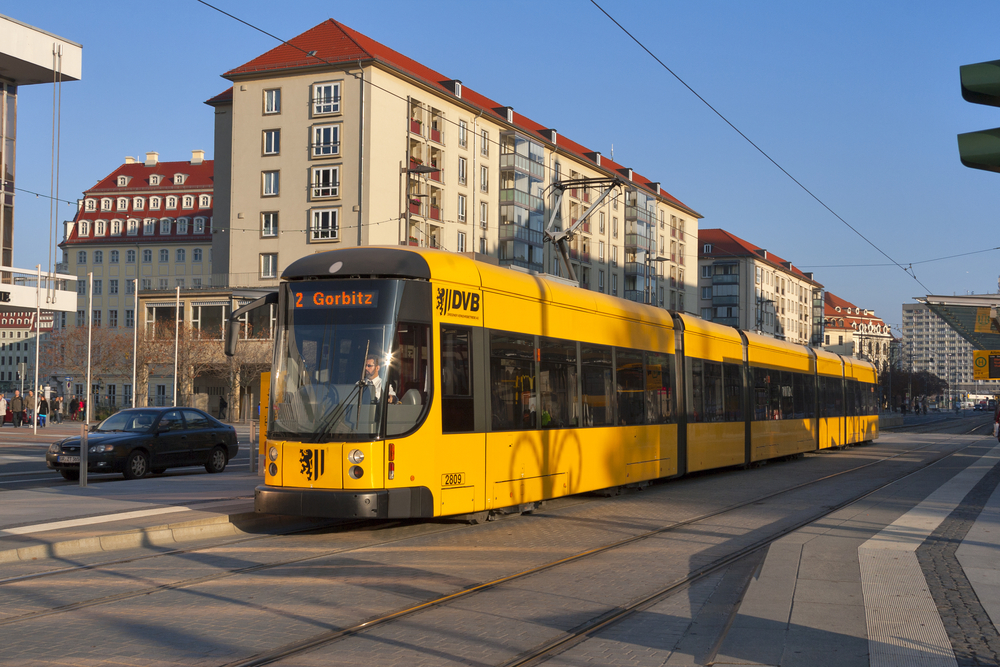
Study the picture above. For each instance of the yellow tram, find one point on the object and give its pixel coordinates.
(418, 383)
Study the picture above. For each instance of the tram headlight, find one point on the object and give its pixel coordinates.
(356, 472)
(272, 454)
(356, 456)
(272, 469)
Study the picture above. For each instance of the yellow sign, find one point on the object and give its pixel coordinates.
(983, 324)
(986, 364)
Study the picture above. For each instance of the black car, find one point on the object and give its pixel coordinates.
(138, 441)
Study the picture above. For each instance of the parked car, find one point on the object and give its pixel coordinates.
(138, 441)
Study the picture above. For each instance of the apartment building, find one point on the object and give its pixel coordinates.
(745, 286)
(17, 346)
(855, 332)
(334, 139)
(931, 344)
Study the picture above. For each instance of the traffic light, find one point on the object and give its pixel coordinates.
(981, 85)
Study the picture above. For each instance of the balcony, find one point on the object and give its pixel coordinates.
(638, 242)
(435, 212)
(635, 269)
(530, 202)
(435, 135)
(580, 255)
(416, 127)
(509, 231)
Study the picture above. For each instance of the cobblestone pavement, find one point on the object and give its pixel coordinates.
(357, 575)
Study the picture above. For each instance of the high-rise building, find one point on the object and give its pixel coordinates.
(931, 344)
(333, 139)
(745, 286)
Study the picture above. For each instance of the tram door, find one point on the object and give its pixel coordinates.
(461, 455)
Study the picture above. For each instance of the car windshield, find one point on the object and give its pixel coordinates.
(132, 420)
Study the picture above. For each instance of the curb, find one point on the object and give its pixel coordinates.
(169, 535)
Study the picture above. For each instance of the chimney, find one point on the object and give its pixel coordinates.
(455, 86)
(197, 157)
(549, 135)
(151, 159)
(129, 159)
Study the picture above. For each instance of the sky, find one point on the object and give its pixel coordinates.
(859, 102)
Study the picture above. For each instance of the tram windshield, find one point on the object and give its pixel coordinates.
(333, 359)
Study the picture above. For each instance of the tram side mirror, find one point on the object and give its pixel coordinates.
(232, 336)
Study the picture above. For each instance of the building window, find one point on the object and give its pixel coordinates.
(324, 225)
(600, 251)
(614, 256)
(179, 179)
(325, 182)
(269, 265)
(164, 255)
(204, 201)
(269, 183)
(196, 255)
(81, 287)
(182, 225)
(81, 256)
(269, 224)
(138, 203)
(147, 283)
(130, 286)
(149, 226)
(147, 256)
(96, 318)
(272, 101)
(326, 98)
(484, 148)
(112, 286)
(614, 284)
(601, 224)
(484, 215)
(179, 282)
(165, 226)
(614, 227)
(463, 130)
(187, 201)
(116, 227)
(600, 280)
(461, 208)
(154, 203)
(123, 203)
(98, 257)
(461, 170)
(130, 256)
(84, 228)
(106, 204)
(460, 247)
(113, 318)
(164, 283)
(99, 227)
(326, 140)
(81, 318)
(199, 225)
(91, 205)
(484, 178)
(181, 256)
(272, 142)
(171, 202)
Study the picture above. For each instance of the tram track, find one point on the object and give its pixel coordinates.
(325, 638)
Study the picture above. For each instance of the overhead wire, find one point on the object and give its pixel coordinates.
(909, 271)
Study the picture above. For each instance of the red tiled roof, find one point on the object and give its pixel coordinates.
(725, 244)
(848, 313)
(333, 43)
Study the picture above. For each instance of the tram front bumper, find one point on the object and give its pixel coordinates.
(411, 502)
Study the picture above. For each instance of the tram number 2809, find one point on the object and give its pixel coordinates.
(453, 479)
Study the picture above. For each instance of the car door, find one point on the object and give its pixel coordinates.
(171, 442)
(200, 435)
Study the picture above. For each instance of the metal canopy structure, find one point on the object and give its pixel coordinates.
(974, 317)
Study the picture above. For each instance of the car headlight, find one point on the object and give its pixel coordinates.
(100, 449)
(54, 447)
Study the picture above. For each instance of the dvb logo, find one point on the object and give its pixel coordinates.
(450, 300)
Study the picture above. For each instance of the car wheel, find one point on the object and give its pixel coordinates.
(136, 466)
(71, 475)
(216, 460)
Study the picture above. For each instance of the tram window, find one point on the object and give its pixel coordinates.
(408, 376)
(598, 386)
(853, 396)
(786, 402)
(557, 387)
(713, 392)
(457, 405)
(831, 397)
(512, 376)
(630, 388)
(763, 393)
(659, 388)
(805, 396)
(732, 380)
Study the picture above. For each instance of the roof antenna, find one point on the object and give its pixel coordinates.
(612, 152)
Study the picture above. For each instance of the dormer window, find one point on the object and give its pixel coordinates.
(837, 309)
(116, 227)
(138, 203)
(171, 202)
(123, 181)
(132, 227)
(91, 205)
(182, 225)
(165, 226)
(123, 203)
(199, 225)
(188, 201)
(84, 228)
(149, 226)
(179, 179)
(154, 203)
(155, 179)
(204, 201)
(106, 204)
(708, 249)
(100, 227)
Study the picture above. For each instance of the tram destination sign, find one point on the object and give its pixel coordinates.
(986, 365)
(336, 299)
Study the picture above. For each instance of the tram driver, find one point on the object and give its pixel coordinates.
(374, 379)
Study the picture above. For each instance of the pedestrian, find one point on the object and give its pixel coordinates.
(17, 407)
(30, 405)
(43, 411)
(3, 409)
(74, 407)
(57, 408)
(83, 409)
(222, 407)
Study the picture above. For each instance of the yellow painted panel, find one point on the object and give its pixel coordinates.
(771, 439)
(461, 500)
(770, 352)
(831, 432)
(706, 340)
(715, 445)
(828, 363)
(528, 490)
